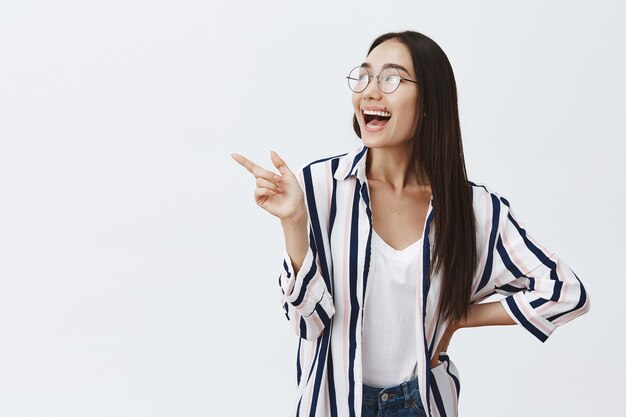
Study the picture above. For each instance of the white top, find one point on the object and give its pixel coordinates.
(389, 319)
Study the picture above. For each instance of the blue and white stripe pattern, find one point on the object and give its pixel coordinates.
(323, 302)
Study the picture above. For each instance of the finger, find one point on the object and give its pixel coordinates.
(262, 182)
(241, 160)
(280, 164)
(253, 168)
(264, 192)
(259, 193)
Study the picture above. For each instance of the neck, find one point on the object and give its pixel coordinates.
(393, 166)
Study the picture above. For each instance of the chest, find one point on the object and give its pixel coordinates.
(398, 217)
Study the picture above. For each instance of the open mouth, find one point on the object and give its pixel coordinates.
(375, 119)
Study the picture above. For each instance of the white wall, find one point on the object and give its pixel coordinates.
(138, 277)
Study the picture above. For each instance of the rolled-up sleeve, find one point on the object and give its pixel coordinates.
(542, 292)
(306, 301)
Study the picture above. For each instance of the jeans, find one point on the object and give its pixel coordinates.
(398, 401)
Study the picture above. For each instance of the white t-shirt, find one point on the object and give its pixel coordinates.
(389, 322)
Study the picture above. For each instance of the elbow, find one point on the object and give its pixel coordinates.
(583, 302)
(576, 303)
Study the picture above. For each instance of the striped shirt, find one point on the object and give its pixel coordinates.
(323, 302)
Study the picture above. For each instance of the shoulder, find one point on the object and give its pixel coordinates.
(482, 192)
(489, 205)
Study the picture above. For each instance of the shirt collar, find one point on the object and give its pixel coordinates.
(352, 164)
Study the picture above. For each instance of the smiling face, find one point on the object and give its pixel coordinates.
(401, 104)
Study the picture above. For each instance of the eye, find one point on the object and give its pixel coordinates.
(389, 79)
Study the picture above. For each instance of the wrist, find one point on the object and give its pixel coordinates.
(297, 218)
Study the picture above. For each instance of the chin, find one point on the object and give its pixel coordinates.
(374, 143)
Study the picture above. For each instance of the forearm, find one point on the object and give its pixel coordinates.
(487, 314)
(296, 239)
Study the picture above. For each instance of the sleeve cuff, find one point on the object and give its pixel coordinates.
(307, 289)
(520, 310)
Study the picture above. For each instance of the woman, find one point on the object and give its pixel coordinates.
(373, 282)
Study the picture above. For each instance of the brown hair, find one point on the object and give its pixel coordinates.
(438, 152)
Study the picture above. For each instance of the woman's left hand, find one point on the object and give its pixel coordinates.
(443, 343)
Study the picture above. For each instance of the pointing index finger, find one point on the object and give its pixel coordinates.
(253, 168)
(243, 161)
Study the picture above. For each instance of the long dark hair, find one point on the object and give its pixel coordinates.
(438, 153)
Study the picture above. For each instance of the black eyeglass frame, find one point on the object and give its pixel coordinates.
(377, 79)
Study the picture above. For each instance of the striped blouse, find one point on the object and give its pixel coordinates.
(324, 300)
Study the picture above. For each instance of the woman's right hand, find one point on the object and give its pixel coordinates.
(280, 195)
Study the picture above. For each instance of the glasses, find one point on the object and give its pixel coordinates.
(388, 80)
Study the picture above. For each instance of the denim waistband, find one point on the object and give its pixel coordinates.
(390, 395)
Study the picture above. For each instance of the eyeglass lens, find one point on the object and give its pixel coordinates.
(388, 79)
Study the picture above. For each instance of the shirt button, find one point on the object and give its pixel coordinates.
(384, 397)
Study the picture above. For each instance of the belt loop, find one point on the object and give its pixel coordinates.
(406, 394)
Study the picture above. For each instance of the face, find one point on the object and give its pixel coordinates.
(401, 104)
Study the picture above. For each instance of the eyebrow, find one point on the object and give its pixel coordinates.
(388, 65)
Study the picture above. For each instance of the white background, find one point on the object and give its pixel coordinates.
(138, 277)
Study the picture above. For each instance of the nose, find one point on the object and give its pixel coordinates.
(373, 89)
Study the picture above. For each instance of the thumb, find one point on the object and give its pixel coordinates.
(280, 164)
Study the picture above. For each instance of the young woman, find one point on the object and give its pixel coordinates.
(389, 249)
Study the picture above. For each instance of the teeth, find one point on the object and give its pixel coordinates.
(377, 113)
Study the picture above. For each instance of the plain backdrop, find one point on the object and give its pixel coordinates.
(139, 278)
